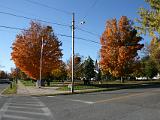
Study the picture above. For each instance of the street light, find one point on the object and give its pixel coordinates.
(73, 30)
(82, 22)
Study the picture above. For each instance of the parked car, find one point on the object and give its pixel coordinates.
(3, 81)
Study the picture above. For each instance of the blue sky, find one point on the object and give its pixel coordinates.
(95, 20)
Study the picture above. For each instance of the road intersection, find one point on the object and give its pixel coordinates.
(126, 104)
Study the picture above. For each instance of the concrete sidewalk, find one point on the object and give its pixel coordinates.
(23, 90)
(32, 90)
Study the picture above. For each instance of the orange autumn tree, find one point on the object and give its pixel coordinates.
(77, 66)
(60, 73)
(119, 47)
(26, 50)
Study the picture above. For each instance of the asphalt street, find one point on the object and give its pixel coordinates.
(126, 104)
(3, 86)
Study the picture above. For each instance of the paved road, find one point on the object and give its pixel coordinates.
(127, 104)
(3, 86)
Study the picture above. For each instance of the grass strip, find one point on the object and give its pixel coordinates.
(9, 90)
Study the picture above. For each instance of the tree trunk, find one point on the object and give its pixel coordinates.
(122, 80)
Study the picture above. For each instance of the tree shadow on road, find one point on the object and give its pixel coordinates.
(129, 86)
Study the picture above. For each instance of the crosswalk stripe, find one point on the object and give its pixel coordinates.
(4, 108)
(23, 107)
(27, 112)
(24, 104)
(37, 108)
(19, 117)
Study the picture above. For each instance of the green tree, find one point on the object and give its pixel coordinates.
(150, 22)
(150, 18)
(148, 68)
(89, 69)
(151, 69)
(155, 51)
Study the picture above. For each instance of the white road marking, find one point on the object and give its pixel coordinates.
(27, 112)
(46, 110)
(51, 96)
(83, 101)
(27, 106)
(4, 109)
(24, 104)
(19, 117)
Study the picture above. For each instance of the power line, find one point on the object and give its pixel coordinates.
(9, 8)
(79, 38)
(94, 3)
(16, 10)
(63, 35)
(28, 18)
(78, 28)
(47, 6)
(44, 5)
(14, 28)
(87, 40)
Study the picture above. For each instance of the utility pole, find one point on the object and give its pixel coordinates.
(40, 70)
(73, 28)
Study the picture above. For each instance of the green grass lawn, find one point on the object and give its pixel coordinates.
(10, 90)
(114, 85)
(78, 87)
(33, 83)
(28, 82)
(96, 85)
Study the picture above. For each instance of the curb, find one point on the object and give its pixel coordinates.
(2, 92)
(90, 91)
(78, 92)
